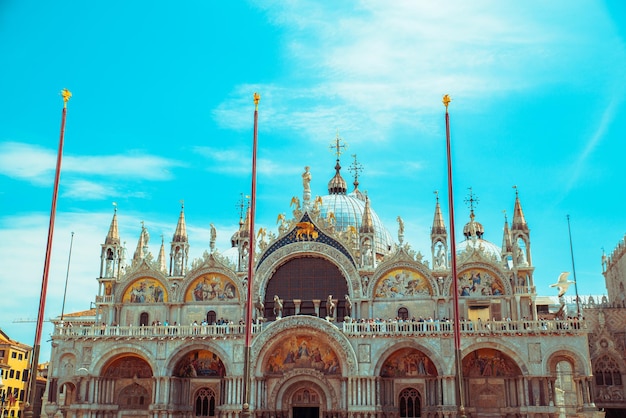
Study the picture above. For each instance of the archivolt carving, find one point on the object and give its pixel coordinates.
(295, 250)
(182, 351)
(215, 269)
(567, 353)
(305, 375)
(508, 290)
(144, 271)
(144, 268)
(402, 263)
(122, 351)
(305, 325)
(393, 346)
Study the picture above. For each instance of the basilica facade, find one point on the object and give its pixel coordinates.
(348, 322)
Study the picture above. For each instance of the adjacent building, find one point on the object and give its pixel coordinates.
(606, 319)
(14, 366)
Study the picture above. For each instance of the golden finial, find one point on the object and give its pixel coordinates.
(446, 101)
(66, 96)
(257, 97)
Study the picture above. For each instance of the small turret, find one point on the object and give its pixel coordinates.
(366, 237)
(161, 258)
(179, 248)
(439, 239)
(520, 234)
(112, 252)
(507, 245)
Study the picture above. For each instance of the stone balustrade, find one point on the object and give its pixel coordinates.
(362, 328)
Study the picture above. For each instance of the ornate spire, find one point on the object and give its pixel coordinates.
(337, 185)
(367, 224)
(507, 243)
(244, 230)
(519, 222)
(439, 227)
(113, 237)
(355, 168)
(161, 259)
(181, 228)
(142, 244)
(472, 229)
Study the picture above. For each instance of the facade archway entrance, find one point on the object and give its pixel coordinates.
(305, 403)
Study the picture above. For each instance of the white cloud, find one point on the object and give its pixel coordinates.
(36, 164)
(385, 65)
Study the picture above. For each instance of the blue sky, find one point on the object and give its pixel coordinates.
(162, 112)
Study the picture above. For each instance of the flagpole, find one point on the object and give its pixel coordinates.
(571, 250)
(31, 394)
(455, 286)
(245, 411)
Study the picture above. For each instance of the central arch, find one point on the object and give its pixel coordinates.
(306, 278)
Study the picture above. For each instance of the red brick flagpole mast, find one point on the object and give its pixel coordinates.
(32, 393)
(246, 373)
(455, 285)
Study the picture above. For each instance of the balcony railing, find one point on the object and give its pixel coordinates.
(364, 328)
(153, 331)
(468, 328)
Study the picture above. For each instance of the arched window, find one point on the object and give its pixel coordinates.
(211, 317)
(403, 313)
(205, 403)
(607, 372)
(143, 319)
(410, 405)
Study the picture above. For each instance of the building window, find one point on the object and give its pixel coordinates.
(19, 356)
(11, 374)
(1, 353)
(205, 403)
(17, 375)
(607, 372)
(143, 319)
(14, 355)
(410, 405)
(211, 317)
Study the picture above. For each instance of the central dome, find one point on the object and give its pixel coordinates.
(349, 210)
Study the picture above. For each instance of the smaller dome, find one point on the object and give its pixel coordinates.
(337, 185)
(231, 254)
(488, 248)
(473, 228)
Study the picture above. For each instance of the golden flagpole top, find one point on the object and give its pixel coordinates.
(257, 98)
(66, 96)
(446, 101)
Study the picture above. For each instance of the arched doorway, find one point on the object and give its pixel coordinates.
(305, 403)
(492, 384)
(133, 375)
(409, 384)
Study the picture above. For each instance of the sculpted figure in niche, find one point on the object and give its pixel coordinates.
(440, 258)
(348, 306)
(330, 307)
(278, 307)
